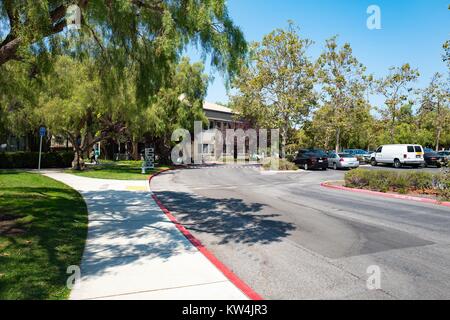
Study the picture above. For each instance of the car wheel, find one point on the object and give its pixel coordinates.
(373, 162)
(305, 166)
(324, 169)
(397, 164)
(334, 166)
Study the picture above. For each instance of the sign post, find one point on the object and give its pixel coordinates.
(42, 132)
(149, 159)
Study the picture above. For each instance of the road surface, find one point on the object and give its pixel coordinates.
(289, 238)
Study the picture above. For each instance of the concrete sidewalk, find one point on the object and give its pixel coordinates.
(133, 251)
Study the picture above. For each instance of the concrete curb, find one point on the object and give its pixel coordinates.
(240, 284)
(386, 195)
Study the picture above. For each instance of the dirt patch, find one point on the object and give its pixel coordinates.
(9, 225)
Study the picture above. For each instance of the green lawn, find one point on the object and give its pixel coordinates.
(43, 228)
(120, 170)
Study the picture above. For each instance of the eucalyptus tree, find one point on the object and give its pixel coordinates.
(396, 88)
(276, 88)
(435, 107)
(344, 86)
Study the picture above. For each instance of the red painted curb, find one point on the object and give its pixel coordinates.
(387, 195)
(241, 285)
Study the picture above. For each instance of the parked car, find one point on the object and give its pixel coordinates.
(342, 160)
(399, 155)
(434, 159)
(311, 159)
(445, 154)
(361, 154)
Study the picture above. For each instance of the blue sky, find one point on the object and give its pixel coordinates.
(412, 31)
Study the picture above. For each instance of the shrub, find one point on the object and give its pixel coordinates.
(420, 180)
(442, 184)
(384, 180)
(357, 179)
(380, 180)
(284, 165)
(30, 160)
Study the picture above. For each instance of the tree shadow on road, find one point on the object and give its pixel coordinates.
(231, 220)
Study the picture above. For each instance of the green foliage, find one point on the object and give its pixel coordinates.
(147, 35)
(344, 85)
(29, 160)
(396, 88)
(276, 88)
(434, 111)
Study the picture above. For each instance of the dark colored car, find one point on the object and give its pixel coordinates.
(312, 159)
(434, 159)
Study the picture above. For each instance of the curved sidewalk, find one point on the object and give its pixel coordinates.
(133, 251)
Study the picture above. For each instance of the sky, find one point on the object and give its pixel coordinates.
(412, 31)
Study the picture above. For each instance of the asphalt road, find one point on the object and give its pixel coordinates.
(289, 238)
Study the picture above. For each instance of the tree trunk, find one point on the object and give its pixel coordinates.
(338, 137)
(78, 162)
(438, 138)
(392, 129)
(135, 150)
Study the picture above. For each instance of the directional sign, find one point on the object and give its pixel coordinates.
(42, 131)
(149, 159)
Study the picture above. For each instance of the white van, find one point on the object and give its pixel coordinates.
(399, 155)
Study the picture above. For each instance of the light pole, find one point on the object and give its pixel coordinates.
(42, 132)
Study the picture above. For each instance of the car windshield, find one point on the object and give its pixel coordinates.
(345, 155)
(317, 153)
(332, 154)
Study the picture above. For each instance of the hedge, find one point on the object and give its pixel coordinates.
(29, 160)
(401, 182)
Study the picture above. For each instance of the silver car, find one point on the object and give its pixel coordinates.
(342, 160)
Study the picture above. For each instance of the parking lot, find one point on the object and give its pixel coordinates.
(290, 238)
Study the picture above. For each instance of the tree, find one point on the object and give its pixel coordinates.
(435, 107)
(343, 90)
(148, 33)
(71, 103)
(276, 88)
(396, 89)
(178, 105)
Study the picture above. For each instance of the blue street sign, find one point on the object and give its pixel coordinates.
(42, 131)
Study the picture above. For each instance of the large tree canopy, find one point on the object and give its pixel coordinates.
(149, 33)
(276, 89)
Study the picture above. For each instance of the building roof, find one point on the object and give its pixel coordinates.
(216, 107)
